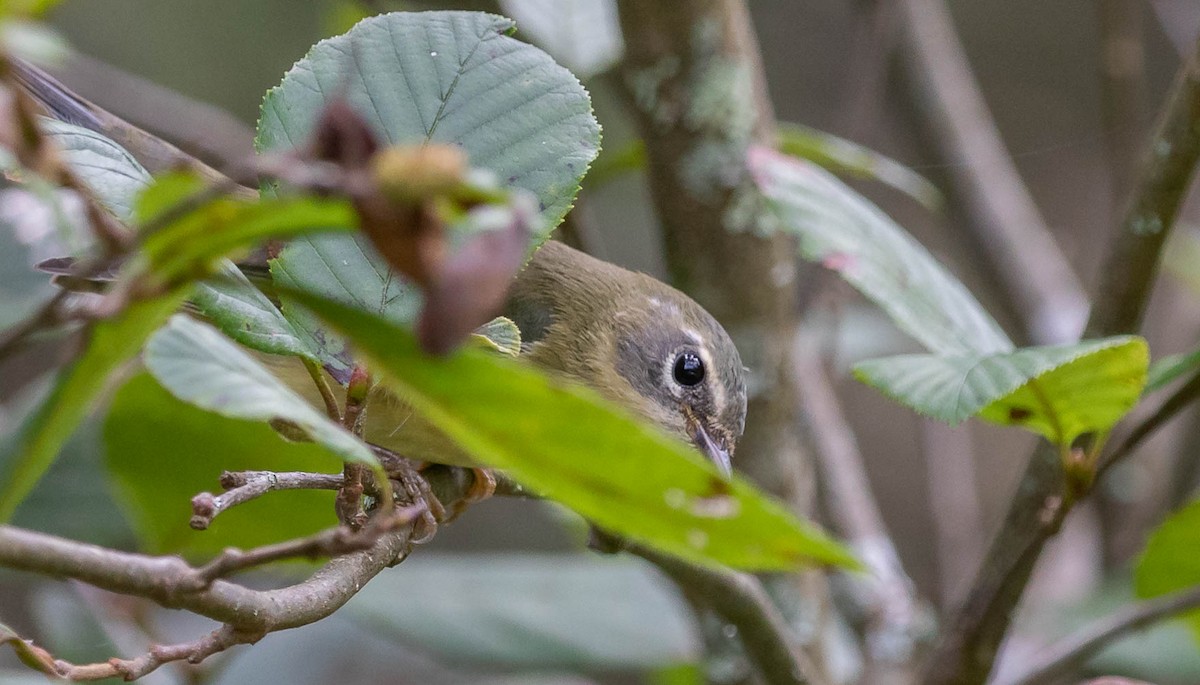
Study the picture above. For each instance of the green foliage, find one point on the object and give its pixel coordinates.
(532, 611)
(161, 452)
(188, 241)
(567, 443)
(502, 335)
(1058, 392)
(1171, 368)
(849, 158)
(243, 312)
(1169, 562)
(203, 368)
(111, 342)
(844, 232)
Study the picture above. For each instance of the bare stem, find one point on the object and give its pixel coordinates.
(1061, 658)
(896, 621)
(740, 599)
(243, 486)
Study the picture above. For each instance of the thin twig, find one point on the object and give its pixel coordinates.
(243, 486)
(1062, 657)
(1179, 400)
(131, 669)
(327, 543)
(740, 599)
(968, 648)
(896, 622)
(1018, 245)
(318, 375)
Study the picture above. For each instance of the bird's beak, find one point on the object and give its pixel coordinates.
(713, 450)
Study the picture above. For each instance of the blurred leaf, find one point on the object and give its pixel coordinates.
(566, 442)
(111, 173)
(111, 342)
(1059, 392)
(532, 611)
(34, 41)
(502, 335)
(161, 452)
(678, 674)
(1166, 370)
(191, 243)
(233, 304)
(615, 162)
(583, 35)
(846, 233)
(198, 365)
(850, 158)
(1169, 562)
(462, 81)
(30, 654)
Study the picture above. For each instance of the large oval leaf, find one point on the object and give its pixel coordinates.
(1059, 392)
(451, 77)
(564, 441)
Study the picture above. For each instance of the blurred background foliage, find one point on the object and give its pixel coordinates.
(1038, 64)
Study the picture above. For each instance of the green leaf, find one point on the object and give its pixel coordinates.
(451, 77)
(532, 611)
(1170, 563)
(111, 342)
(192, 243)
(1168, 369)
(1059, 392)
(849, 158)
(198, 365)
(848, 234)
(108, 170)
(502, 335)
(567, 443)
(156, 485)
(231, 302)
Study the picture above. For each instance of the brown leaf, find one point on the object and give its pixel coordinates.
(343, 136)
(471, 287)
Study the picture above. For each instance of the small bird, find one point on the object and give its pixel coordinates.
(637, 341)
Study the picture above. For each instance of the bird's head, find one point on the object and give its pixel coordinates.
(682, 370)
(639, 342)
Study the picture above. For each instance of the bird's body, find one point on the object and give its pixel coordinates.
(615, 330)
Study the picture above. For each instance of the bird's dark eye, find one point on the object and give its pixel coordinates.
(689, 370)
